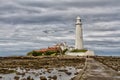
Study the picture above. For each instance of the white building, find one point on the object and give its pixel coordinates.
(62, 45)
(79, 41)
(79, 34)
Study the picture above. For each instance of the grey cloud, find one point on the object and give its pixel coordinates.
(55, 11)
(75, 3)
(31, 19)
(11, 9)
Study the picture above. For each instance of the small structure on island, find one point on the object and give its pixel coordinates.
(58, 49)
(62, 45)
(53, 50)
(79, 49)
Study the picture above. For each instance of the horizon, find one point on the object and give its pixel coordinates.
(26, 25)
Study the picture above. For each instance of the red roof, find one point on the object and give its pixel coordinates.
(54, 48)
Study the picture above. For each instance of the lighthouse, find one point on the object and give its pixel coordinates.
(79, 34)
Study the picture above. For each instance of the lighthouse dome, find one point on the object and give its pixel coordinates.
(78, 17)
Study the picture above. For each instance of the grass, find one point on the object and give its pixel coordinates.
(34, 53)
(79, 50)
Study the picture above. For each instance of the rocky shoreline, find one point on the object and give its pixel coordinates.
(44, 67)
(52, 67)
(41, 62)
(111, 62)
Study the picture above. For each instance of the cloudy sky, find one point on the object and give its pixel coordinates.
(33, 24)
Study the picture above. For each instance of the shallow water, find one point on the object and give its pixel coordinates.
(35, 74)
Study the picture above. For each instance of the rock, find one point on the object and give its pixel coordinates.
(43, 78)
(54, 77)
(0, 77)
(16, 78)
(76, 73)
(18, 73)
(68, 73)
(6, 71)
(29, 78)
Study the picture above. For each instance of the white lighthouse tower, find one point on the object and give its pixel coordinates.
(79, 34)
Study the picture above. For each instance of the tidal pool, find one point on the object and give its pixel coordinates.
(62, 73)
